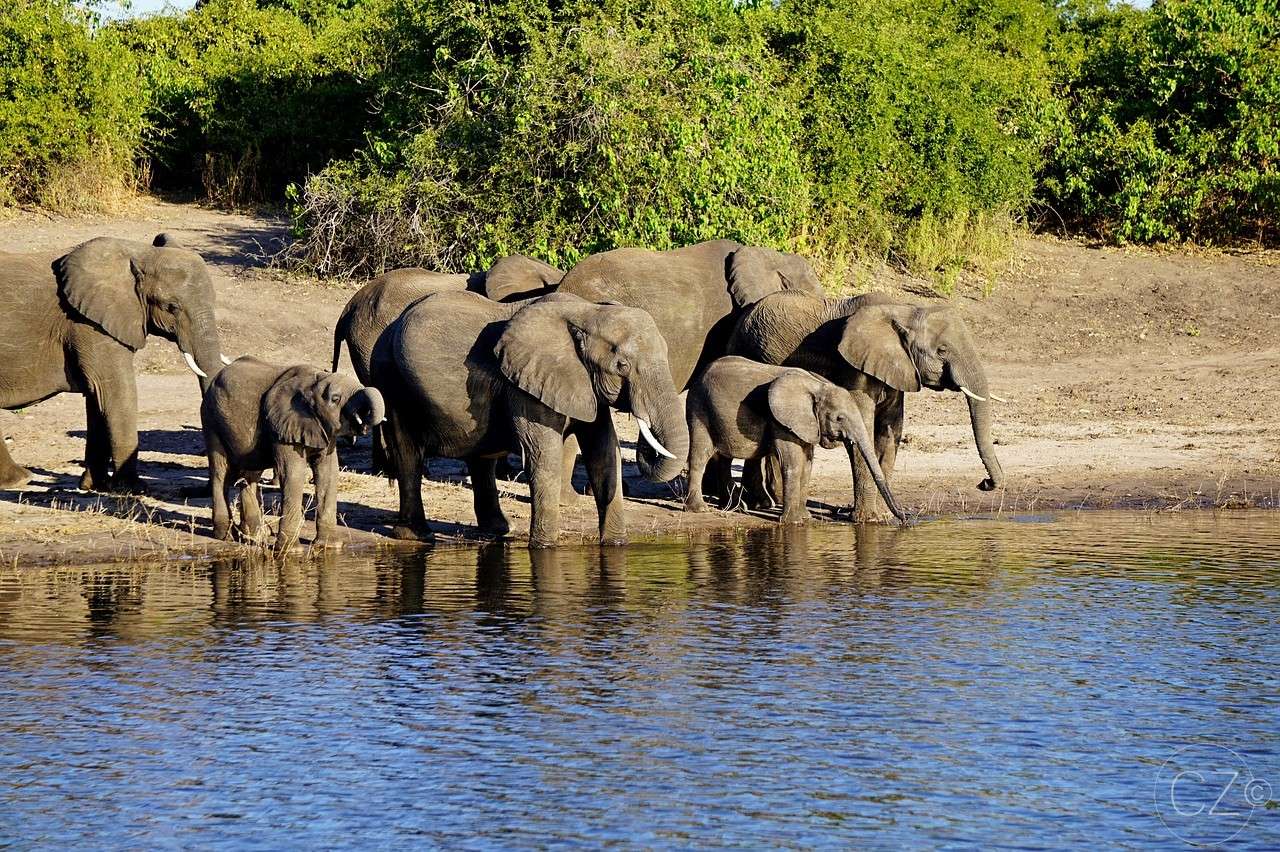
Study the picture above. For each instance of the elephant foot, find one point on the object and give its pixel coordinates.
(328, 543)
(127, 485)
(801, 517)
(542, 543)
(499, 528)
(698, 505)
(858, 516)
(412, 532)
(620, 540)
(222, 532)
(244, 535)
(14, 477)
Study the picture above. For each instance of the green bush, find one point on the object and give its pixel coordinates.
(1175, 123)
(246, 99)
(70, 107)
(565, 134)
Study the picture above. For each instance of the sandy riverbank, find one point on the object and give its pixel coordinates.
(1135, 379)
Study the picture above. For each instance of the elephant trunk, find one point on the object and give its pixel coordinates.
(968, 374)
(862, 442)
(366, 408)
(663, 420)
(201, 347)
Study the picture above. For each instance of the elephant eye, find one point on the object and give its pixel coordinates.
(942, 350)
(336, 398)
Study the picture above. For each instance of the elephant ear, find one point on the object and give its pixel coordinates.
(294, 411)
(538, 352)
(872, 342)
(792, 402)
(755, 272)
(99, 281)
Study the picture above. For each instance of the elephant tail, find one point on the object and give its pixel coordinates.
(339, 335)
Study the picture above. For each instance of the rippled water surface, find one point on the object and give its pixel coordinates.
(1016, 682)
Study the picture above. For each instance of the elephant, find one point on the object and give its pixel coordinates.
(375, 305)
(258, 416)
(738, 408)
(694, 294)
(73, 326)
(469, 378)
(878, 349)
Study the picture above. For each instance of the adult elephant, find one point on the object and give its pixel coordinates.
(377, 304)
(693, 294)
(466, 377)
(879, 349)
(74, 326)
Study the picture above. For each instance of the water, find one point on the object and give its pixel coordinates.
(1016, 682)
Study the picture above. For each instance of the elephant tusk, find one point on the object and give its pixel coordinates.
(971, 394)
(653, 442)
(997, 398)
(195, 368)
(226, 362)
(356, 417)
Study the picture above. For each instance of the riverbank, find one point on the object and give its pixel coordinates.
(1136, 379)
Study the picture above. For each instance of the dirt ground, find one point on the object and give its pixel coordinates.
(1135, 379)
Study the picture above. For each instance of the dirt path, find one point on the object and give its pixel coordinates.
(1135, 379)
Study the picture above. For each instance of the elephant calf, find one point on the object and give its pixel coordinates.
(739, 408)
(259, 416)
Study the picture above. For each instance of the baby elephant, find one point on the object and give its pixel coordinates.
(741, 409)
(259, 416)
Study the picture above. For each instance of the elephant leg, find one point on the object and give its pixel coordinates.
(887, 437)
(12, 475)
(377, 452)
(796, 461)
(221, 481)
(324, 470)
(251, 506)
(543, 442)
(118, 403)
(97, 448)
(701, 451)
(567, 492)
(484, 494)
(755, 482)
(603, 456)
(867, 505)
(717, 480)
(405, 455)
(291, 470)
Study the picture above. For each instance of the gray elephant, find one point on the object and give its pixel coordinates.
(694, 294)
(878, 349)
(738, 408)
(376, 305)
(259, 416)
(73, 326)
(466, 377)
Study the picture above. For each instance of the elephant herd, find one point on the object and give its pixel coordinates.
(521, 358)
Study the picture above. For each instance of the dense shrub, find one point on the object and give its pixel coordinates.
(248, 97)
(70, 107)
(566, 134)
(1175, 123)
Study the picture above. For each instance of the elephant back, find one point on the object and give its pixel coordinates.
(441, 353)
(516, 277)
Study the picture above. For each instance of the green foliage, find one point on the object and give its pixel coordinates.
(450, 132)
(1175, 122)
(246, 98)
(69, 100)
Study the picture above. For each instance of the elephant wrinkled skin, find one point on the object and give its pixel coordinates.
(73, 326)
(739, 408)
(878, 349)
(466, 377)
(258, 416)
